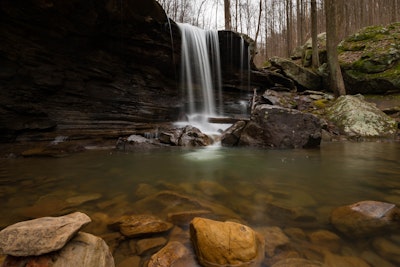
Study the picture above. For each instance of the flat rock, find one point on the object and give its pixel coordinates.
(42, 235)
(139, 225)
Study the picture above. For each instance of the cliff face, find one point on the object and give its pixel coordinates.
(85, 68)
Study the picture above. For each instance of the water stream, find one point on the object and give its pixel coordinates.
(308, 183)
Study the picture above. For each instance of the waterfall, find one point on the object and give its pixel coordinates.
(201, 76)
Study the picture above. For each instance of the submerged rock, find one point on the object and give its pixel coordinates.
(42, 235)
(366, 218)
(139, 225)
(356, 117)
(174, 254)
(225, 243)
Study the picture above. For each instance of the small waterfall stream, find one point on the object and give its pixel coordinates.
(201, 77)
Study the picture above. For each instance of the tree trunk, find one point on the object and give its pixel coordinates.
(259, 23)
(227, 12)
(314, 34)
(335, 75)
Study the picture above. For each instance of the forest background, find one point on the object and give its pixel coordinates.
(279, 26)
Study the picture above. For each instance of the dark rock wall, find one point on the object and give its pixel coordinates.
(85, 67)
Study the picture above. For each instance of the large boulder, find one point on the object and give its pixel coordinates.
(42, 235)
(366, 218)
(83, 250)
(226, 243)
(370, 60)
(277, 127)
(356, 117)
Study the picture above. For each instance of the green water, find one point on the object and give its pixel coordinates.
(308, 183)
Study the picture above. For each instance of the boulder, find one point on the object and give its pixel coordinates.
(188, 136)
(139, 225)
(304, 78)
(366, 218)
(297, 262)
(174, 254)
(277, 127)
(370, 60)
(83, 250)
(231, 136)
(225, 243)
(42, 235)
(356, 117)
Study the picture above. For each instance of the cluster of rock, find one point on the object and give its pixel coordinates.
(54, 241)
(58, 241)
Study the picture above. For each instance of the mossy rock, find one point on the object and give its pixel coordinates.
(370, 60)
(356, 117)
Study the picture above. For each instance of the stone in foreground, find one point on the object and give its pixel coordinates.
(366, 218)
(83, 250)
(42, 235)
(226, 243)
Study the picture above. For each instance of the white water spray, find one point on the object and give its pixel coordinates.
(201, 76)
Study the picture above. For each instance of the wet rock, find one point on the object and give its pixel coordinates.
(133, 261)
(231, 136)
(188, 136)
(40, 236)
(192, 137)
(83, 250)
(365, 218)
(139, 225)
(297, 262)
(326, 240)
(356, 117)
(276, 127)
(185, 217)
(134, 142)
(375, 260)
(225, 243)
(147, 245)
(305, 78)
(171, 137)
(274, 237)
(387, 249)
(174, 254)
(333, 260)
(81, 199)
(212, 188)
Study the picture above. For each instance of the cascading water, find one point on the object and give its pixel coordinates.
(201, 77)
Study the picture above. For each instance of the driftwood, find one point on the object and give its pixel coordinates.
(226, 120)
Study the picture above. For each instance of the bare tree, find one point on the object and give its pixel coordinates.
(259, 21)
(227, 12)
(335, 75)
(314, 34)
